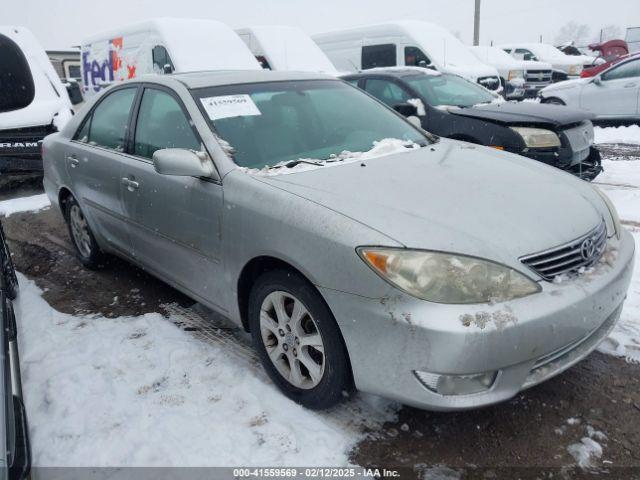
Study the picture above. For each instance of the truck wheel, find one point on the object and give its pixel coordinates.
(87, 249)
(298, 340)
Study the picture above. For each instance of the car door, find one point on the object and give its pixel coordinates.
(94, 160)
(616, 92)
(175, 221)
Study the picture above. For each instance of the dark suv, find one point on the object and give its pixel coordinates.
(450, 106)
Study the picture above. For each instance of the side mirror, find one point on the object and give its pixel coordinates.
(406, 109)
(597, 80)
(166, 69)
(75, 94)
(182, 163)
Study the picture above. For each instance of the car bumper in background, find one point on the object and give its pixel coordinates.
(9, 165)
(411, 350)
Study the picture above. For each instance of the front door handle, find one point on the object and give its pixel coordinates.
(73, 161)
(629, 85)
(130, 184)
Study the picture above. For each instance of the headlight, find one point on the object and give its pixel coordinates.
(537, 137)
(575, 70)
(612, 210)
(447, 278)
(513, 74)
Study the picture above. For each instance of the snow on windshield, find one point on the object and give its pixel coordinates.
(384, 147)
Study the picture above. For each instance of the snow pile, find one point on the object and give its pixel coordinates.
(139, 391)
(585, 452)
(380, 148)
(628, 134)
(33, 203)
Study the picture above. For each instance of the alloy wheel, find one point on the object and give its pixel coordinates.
(292, 340)
(80, 230)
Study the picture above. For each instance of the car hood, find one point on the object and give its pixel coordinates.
(455, 197)
(471, 72)
(36, 114)
(534, 65)
(523, 113)
(567, 84)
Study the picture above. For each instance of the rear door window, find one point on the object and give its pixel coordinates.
(379, 56)
(162, 124)
(386, 91)
(17, 89)
(108, 125)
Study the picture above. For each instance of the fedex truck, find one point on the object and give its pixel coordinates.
(162, 45)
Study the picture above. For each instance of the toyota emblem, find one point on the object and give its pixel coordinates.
(588, 249)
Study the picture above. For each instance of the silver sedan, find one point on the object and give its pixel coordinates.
(359, 251)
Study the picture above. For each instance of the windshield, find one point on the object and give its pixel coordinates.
(269, 123)
(449, 90)
(17, 89)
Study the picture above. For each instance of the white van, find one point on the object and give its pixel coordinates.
(519, 77)
(285, 48)
(33, 101)
(162, 45)
(410, 43)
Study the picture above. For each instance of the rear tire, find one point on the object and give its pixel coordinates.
(298, 340)
(87, 249)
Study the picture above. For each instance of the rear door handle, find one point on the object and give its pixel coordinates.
(130, 184)
(73, 161)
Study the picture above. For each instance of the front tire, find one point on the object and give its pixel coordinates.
(298, 340)
(87, 249)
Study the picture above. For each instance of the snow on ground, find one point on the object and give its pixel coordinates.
(628, 134)
(33, 203)
(621, 182)
(140, 391)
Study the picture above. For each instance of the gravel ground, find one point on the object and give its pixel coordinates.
(526, 437)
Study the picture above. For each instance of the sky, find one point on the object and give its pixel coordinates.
(62, 23)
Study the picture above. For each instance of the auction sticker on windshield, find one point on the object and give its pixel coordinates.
(227, 106)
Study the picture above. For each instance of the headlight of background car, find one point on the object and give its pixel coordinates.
(447, 278)
(537, 137)
(575, 70)
(513, 74)
(612, 210)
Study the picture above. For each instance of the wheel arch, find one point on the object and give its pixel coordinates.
(63, 196)
(264, 263)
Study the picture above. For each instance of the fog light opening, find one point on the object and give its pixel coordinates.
(457, 384)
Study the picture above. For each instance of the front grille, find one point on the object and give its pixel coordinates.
(23, 142)
(492, 83)
(570, 257)
(537, 76)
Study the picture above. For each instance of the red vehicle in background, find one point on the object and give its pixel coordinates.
(611, 52)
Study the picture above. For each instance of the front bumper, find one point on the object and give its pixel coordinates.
(585, 168)
(27, 164)
(525, 341)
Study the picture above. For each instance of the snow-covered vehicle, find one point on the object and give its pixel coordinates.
(564, 66)
(15, 461)
(279, 47)
(405, 43)
(609, 95)
(161, 45)
(33, 101)
(519, 77)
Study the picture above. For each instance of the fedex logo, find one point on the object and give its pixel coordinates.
(106, 68)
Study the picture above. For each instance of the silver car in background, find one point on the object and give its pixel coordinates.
(360, 251)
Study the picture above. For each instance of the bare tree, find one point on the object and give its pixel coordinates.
(572, 32)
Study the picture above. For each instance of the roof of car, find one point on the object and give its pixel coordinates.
(234, 77)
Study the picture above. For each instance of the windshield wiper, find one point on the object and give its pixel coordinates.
(293, 163)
